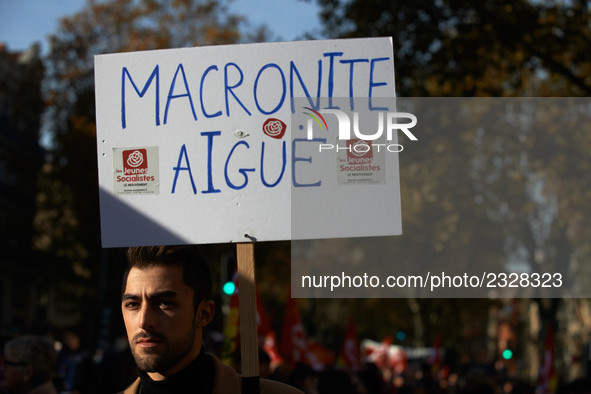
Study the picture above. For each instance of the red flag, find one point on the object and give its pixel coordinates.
(267, 336)
(270, 347)
(317, 356)
(547, 377)
(263, 324)
(435, 358)
(349, 353)
(293, 345)
(380, 355)
(398, 361)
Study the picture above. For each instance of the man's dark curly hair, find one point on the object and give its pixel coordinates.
(196, 273)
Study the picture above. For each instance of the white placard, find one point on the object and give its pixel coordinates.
(196, 145)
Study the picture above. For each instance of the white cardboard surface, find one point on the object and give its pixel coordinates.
(205, 108)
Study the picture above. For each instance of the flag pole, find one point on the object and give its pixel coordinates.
(247, 309)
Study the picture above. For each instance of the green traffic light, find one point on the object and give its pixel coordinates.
(507, 354)
(229, 288)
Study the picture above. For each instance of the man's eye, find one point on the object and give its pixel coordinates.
(166, 304)
(131, 305)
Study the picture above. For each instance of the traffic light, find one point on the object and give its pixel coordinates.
(507, 352)
(228, 288)
(400, 335)
(227, 275)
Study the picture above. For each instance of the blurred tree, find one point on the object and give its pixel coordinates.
(21, 158)
(468, 48)
(68, 228)
(535, 182)
(509, 193)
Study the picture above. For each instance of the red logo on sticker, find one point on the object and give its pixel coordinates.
(274, 128)
(358, 149)
(135, 161)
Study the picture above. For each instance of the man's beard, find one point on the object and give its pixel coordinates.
(162, 360)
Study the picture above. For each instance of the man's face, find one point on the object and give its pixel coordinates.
(163, 329)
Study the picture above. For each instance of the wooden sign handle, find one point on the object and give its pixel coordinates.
(247, 309)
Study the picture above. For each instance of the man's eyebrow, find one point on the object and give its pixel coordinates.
(164, 294)
(127, 297)
(157, 295)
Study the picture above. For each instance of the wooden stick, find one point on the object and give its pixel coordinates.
(247, 309)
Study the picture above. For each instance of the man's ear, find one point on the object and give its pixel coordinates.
(205, 313)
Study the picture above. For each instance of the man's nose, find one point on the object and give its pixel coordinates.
(147, 317)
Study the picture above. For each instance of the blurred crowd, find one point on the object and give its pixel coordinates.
(36, 364)
(418, 380)
(41, 365)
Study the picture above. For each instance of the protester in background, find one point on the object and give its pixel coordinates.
(166, 303)
(75, 366)
(577, 386)
(305, 378)
(335, 381)
(371, 378)
(3, 339)
(116, 367)
(29, 366)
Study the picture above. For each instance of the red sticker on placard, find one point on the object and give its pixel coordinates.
(274, 128)
(135, 161)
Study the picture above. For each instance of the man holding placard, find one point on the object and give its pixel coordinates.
(212, 145)
(166, 304)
